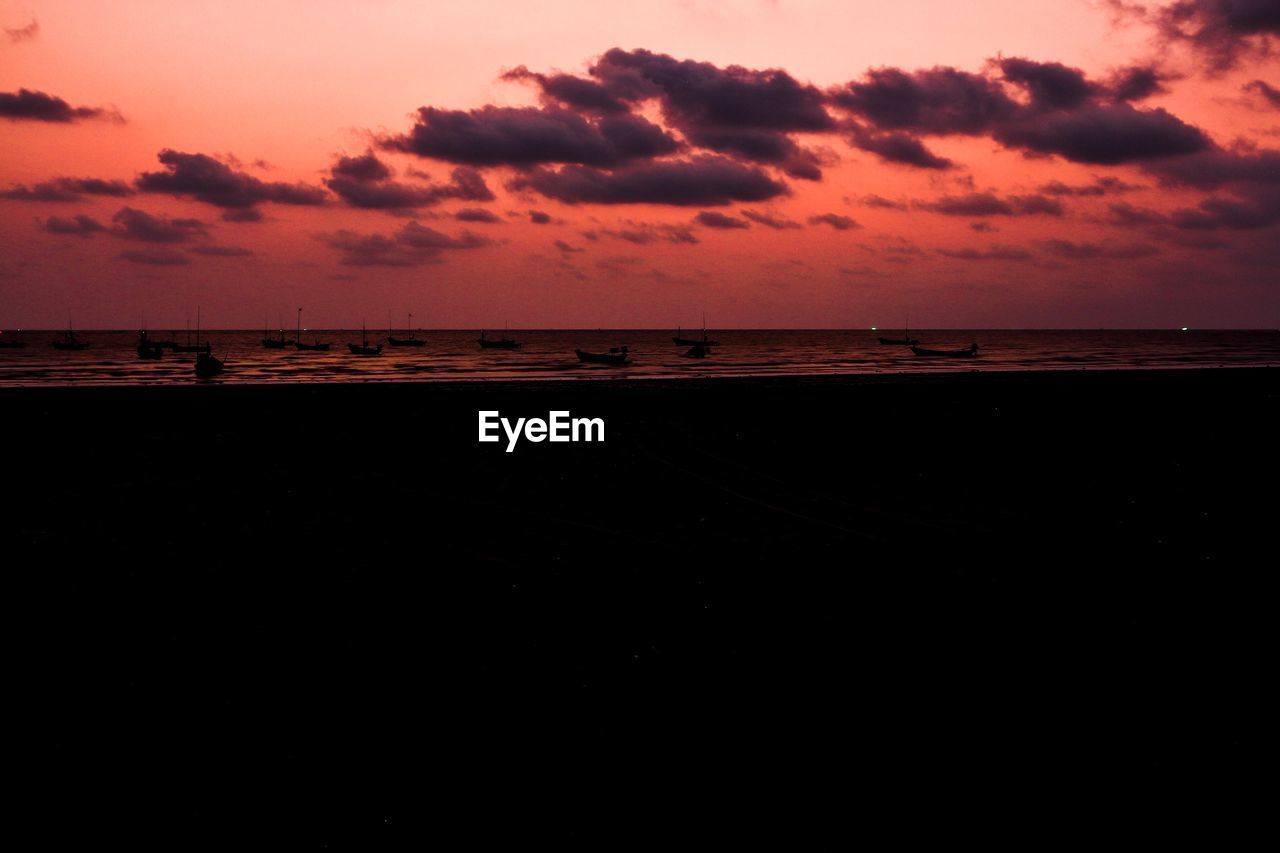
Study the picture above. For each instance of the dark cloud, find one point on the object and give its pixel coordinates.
(1222, 31)
(939, 101)
(365, 182)
(20, 34)
(222, 251)
(1211, 170)
(366, 168)
(1268, 92)
(769, 220)
(572, 92)
(1095, 251)
(715, 219)
(644, 233)
(155, 257)
(883, 203)
(703, 180)
(525, 136)
(1137, 83)
(243, 214)
(79, 225)
(1103, 185)
(1126, 214)
(835, 220)
(983, 227)
(133, 224)
(67, 189)
(1105, 134)
(26, 105)
(894, 147)
(989, 204)
(477, 214)
(214, 182)
(1049, 85)
(411, 245)
(994, 253)
(538, 217)
(566, 248)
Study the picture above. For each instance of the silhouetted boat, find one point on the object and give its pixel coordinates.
(502, 343)
(274, 343)
(694, 342)
(147, 348)
(363, 347)
(615, 355)
(905, 341)
(314, 346)
(70, 341)
(697, 351)
(188, 346)
(968, 352)
(206, 363)
(411, 341)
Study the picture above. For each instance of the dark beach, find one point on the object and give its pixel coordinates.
(329, 612)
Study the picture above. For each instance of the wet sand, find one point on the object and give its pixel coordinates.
(330, 613)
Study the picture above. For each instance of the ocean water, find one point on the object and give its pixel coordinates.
(454, 355)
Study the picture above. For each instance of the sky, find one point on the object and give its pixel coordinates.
(988, 164)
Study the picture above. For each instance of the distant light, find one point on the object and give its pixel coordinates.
(1184, 328)
(873, 328)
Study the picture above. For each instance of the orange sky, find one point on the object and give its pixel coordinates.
(279, 90)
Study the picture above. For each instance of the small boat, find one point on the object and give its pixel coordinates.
(206, 363)
(188, 346)
(697, 351)
(615, 355)
(694, 342)
(147, 348)
(411, 341)
(10, 343)
(70, 341)
(314, 346)
(363, 347)
(905, 341)
(968, 352)
(502, 343)
(274, 343)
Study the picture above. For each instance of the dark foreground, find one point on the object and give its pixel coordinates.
(327, 616)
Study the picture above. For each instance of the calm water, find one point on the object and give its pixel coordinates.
(452, 355)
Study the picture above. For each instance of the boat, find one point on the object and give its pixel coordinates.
(968, 352)
(147, 348)
(70, 341)
(905, 341)
(363, 347)
(411, 341)
(315, 346)
(681, 341)
(502, 343)
(188, 346)
(274, 343)
(206, 363)
(697, 351)
(615, 355)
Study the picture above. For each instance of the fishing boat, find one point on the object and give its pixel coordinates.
(70, 341)
(905, 341)
(411, 341)
(697, 351)
(968, 352)
(206, 363)
(615, 355)
(682, 341)
(188, 346)
(274, 343)
(10, 343)
(315, 346)
(363, 347)
(147, 348)
(502, 343)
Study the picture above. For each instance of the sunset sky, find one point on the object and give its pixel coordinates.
(1062, 163)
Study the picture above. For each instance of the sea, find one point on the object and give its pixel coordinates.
(453, 355)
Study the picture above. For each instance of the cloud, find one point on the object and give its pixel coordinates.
(20, 34)
(989, 204)
(704, 180)
(566, 248)
(79, 225)
(883, 203)
(1102, 185)
(538, 217)
(715, 219)
(242, 214)
(938, 101)
(1268, 92)
(413, 244)
(28, 105)
(835, 220)
(222, 251)
(365, 182)
(893, 147)
(1049, 85)
(133, 224)
(1106, 134)
(526, 136)
(1222, 32)
(644, 233)
(67, 189)
(994, 253)
(570, 92)
(769, 220)
(1138, 82)
(155, 257)
(214, 182)
(1096, 251)
(477, 214)
(1125, 214)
